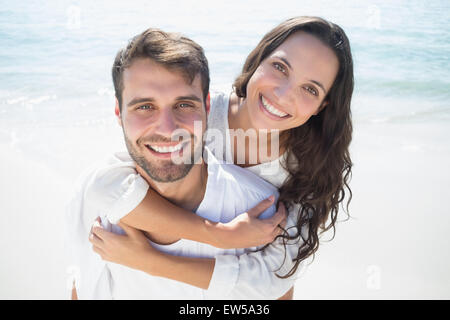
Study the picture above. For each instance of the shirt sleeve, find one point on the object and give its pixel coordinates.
(113, 191)
(87, 270)
(253, 275)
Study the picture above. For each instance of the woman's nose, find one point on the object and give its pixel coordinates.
(285, 93)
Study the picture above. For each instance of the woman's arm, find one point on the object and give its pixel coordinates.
(246, 230)
(119, 193)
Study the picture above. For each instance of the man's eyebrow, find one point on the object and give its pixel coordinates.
(150, 99)
(139, 100)
(313, 81)
(191, 97)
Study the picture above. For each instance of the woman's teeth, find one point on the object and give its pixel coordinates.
(166, 149)
(271, 109)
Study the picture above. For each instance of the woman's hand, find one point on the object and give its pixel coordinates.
(132, 249)
(246, 230)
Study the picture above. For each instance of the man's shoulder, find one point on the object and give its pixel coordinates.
(108, 187)
(218, 95)
(103, 180)
(219, 106)
(108, 166)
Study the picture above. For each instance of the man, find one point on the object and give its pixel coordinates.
(162, 83)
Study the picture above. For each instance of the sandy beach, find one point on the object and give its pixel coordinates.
(394, 246)
(32, 248)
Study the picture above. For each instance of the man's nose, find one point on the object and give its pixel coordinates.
(166, 123)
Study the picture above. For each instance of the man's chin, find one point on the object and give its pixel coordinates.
(168, 174)
(164, 170)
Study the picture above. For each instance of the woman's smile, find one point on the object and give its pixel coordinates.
(270, 110)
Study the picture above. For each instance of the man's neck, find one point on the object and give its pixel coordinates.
(187, 192)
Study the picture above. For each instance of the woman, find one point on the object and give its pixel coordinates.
(298, 80)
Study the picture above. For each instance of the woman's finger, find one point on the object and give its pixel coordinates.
(278, 231)
(283, 223)
(279, 216)
(261, 207)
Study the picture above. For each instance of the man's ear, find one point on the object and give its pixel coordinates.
(322, 106)
(208, 104)
(117, 112)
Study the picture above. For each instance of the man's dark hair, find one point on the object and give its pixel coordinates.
(171, 50)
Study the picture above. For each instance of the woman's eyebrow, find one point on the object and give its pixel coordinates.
(313, 81)
(319, 85)
(285, 61)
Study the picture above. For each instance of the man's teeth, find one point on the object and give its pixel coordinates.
(272, 109)
(167, 149)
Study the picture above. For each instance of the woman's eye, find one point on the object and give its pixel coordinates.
(311, 90)
(279, 67)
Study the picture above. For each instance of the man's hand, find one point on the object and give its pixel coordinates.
(129, 250)
(246, 230)
(74, 292)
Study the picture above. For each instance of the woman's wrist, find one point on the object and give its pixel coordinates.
(212, 232)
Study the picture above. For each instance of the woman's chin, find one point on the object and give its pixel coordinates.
(260, 122)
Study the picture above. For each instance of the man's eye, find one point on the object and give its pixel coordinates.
(185, 105)
(145, 107)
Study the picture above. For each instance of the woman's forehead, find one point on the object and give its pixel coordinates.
(306, 54)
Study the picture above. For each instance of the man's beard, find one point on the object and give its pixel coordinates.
(163, 170)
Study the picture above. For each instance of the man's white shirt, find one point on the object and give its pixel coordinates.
(113, 188)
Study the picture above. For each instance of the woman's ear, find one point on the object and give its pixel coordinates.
(118, 113)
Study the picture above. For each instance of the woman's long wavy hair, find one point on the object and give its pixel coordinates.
(319, 163)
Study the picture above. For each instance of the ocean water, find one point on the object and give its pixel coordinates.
(55, 58)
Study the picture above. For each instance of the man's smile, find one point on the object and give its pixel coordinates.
(167, 150)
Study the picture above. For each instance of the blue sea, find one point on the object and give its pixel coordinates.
(55, 56)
